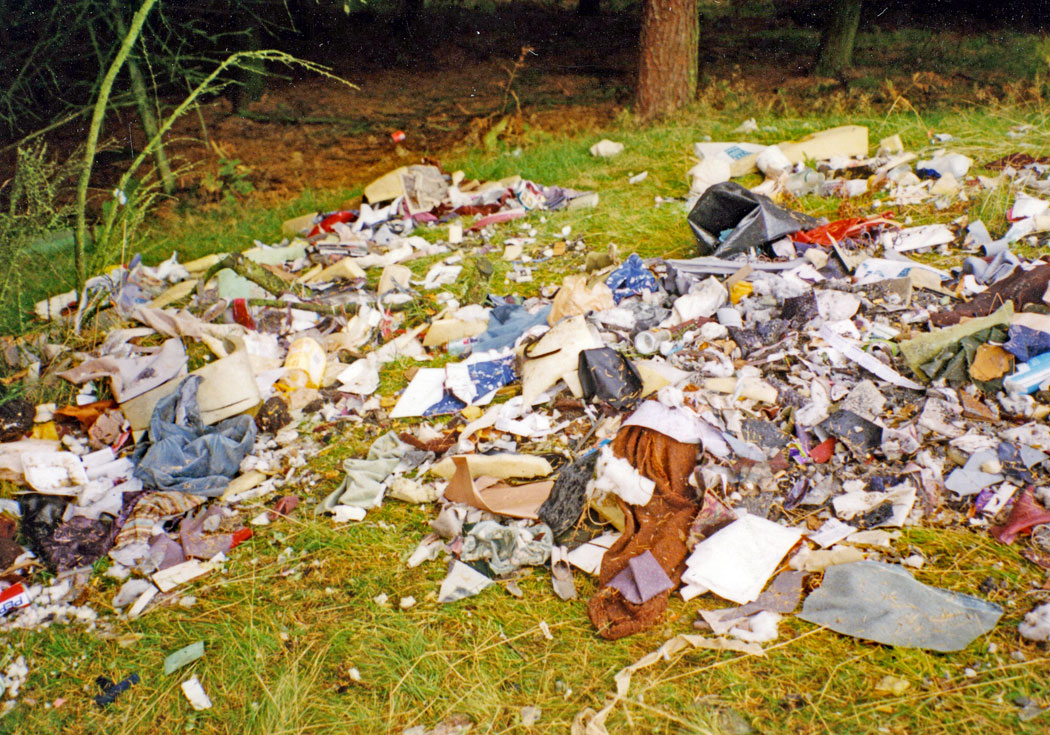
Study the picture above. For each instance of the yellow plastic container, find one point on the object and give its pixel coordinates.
(308, 356)
(739, 290)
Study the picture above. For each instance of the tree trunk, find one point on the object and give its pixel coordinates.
(838, 38)
(589, 7)
(669, 59)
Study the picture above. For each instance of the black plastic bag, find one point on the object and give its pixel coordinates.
(607, 375)
(564, 506)
(64, 545)
(754, 220)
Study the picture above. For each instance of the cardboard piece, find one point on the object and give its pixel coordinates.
(170, 578)
(346, 269)
(228, 388)
(487, 493)
(557, 357)
(846, 140)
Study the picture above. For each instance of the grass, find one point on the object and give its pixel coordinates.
(294, 610)
(283, 629)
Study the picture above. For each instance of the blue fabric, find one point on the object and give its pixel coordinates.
(1025, 343)
(486, 377)
(630, 279)
(186, 456)
(506, 324)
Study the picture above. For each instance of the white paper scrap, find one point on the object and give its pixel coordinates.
(588, 557)
(736, 562)
(195, 693)
(868, 362)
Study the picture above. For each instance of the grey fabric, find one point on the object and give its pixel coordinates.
(883, 603)
(365, 481)
(507, 548)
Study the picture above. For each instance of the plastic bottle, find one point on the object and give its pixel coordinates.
(306, 356)
(1029, 375)
(806, 181)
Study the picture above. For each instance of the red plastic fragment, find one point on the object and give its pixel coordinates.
(345, 216)
(242, 314)
(240, 536)
(823, 451)
(839, 230)
(1025, 515)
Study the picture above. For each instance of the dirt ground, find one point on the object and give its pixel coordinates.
(446, 81)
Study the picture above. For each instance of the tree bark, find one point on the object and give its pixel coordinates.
(838, 38)
(669, 56)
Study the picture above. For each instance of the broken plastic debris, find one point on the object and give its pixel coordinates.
(1030, 376)
(183, 657)
(110, 690)
(865, 360)
(13, 597)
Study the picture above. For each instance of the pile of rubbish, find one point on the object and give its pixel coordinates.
(754, 424)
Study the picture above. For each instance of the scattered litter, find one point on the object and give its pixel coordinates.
(1036, 624)
(110, 690)
(783, 401)
(183, 657)
(195, 693)
(606, 148)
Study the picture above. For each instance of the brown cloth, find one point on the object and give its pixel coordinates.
(1021, 287)
(661, 527)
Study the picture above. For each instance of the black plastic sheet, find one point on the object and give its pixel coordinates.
(754, 220)
(564, 506)
(608, 376)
